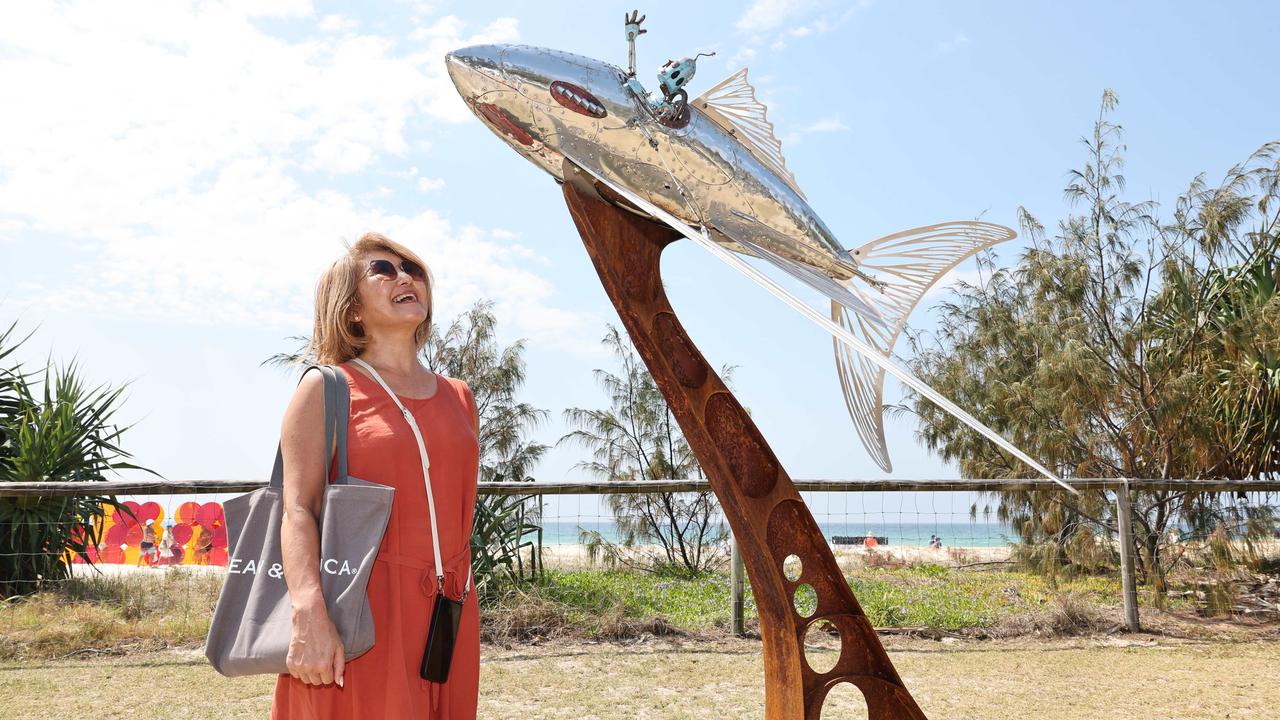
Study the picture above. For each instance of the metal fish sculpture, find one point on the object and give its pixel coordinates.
(712, 169)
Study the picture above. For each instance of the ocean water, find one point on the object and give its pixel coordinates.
(901, 534)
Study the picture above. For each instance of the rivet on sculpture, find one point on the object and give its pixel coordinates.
(640, 170)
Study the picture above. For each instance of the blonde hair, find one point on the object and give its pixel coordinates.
(336, 338)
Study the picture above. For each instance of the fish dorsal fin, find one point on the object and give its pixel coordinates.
(733, 106)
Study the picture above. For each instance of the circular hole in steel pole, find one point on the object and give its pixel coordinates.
(792, 567)
(805, 600)
(822, 645)
(845, 701)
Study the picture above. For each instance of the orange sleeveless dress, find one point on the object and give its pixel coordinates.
(384, 682)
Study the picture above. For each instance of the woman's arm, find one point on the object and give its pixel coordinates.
(469, 516)
(471, 400)
(315, 650)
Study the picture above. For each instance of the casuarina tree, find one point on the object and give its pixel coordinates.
(1125, 345)
(637, 438)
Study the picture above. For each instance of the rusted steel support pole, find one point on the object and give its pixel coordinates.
(770, 520)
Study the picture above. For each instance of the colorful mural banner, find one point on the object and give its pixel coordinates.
(195, 535)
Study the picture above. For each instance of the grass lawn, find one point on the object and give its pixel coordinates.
(155, 611)
(984, 680)
(599, 603)
(605, 645)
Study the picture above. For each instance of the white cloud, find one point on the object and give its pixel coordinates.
(185, 152)
(954, 43)
(338, 23)
(822, 125)
(420, 9)
(272, 8)
(105, 96)
(427, 185)
(825, 125)
(772, 23)
(744, 56)
(765, 15)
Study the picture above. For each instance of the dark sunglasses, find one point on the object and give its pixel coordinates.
(387, 269)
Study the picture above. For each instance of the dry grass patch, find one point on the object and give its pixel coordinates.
(520, 616)
(1067, 615)
(110, 613)
(1112, 679)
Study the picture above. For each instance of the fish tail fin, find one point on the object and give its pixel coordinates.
(862, 382)
(906, 264)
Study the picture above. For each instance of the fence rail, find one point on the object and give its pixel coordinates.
(1122, 488)
(197, 487)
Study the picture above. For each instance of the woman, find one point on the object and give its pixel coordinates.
(204, 542)
(375, 304)
(147, 549)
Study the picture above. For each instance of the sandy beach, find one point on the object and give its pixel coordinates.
(849, 557)
(570, 557)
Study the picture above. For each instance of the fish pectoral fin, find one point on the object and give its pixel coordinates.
(594, 185)
(585, 178)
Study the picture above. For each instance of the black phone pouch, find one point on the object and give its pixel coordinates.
(441, 637)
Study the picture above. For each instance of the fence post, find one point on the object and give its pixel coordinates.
(1128, 585)
(736, 587)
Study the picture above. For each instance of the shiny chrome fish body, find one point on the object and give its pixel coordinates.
(712, 169)
(694, 170)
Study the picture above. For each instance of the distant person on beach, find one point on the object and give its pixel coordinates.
(871, 541)
(166, 546)
(148, 545)
(204, 545)
(935, 542)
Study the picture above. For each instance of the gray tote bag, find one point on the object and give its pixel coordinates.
(252, 622)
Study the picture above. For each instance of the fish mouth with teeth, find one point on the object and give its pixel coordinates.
(404, 298)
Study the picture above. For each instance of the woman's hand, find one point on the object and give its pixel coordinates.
(316, 655)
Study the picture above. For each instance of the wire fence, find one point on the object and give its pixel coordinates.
(665, 548)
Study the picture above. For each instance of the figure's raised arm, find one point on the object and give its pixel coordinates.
(632, 23)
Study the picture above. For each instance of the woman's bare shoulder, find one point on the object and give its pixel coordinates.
(456, 382)
(311, 385)
(308, 398)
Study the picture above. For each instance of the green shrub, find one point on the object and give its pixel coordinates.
(53, 427)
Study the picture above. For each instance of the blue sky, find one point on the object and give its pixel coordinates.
(173, 176)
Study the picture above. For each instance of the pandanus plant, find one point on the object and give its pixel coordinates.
(504, 534)
(54, 426)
